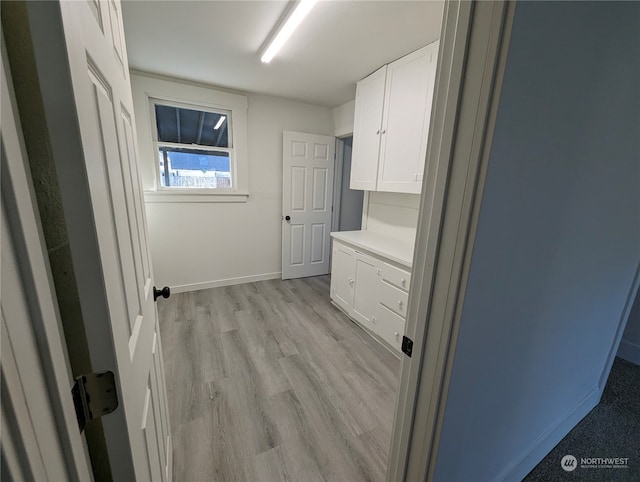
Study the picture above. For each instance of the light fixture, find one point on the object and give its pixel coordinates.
(302, 8)
(220, 121)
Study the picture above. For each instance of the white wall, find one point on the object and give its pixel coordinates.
(199, 245)
(557, 245)
(394, 214)
(343, 116)
(630, 345)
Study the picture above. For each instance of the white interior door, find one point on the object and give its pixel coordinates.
(307, 188)
(84, 82)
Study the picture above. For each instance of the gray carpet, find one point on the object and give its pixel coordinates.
(612, 429)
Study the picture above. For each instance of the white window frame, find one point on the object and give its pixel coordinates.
(229, 150)
(149, 88)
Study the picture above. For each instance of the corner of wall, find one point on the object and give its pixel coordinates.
(630, 345)
(343, 118)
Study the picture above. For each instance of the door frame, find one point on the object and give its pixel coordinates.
(337, 185)
(472, 56)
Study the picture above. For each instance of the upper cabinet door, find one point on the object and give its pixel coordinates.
(367, 130)
(405, 128)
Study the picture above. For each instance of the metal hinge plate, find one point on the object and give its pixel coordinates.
(94, 395)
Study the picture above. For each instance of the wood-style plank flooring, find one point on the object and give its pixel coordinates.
(268, 381)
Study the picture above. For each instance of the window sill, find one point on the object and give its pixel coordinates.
(195, 197)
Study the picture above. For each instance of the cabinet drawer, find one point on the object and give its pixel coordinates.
(394, 298)
(396, 276)
(390, 327)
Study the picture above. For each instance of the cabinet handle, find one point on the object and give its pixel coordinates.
(350, 280)
(397, 334)
(384, 131)
(378, 132)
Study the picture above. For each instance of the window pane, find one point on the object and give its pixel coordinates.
(194, 168)
(189, 126)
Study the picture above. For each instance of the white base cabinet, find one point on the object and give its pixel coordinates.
(343, 273)
(372, 291)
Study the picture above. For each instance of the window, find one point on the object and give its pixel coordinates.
(178, 119)
(194, 147)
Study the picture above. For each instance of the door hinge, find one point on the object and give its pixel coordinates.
(94, 395)
(407, 346)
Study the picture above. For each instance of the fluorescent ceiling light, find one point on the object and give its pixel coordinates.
(297, 15)
(220, 121)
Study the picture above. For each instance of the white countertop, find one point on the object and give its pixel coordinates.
(383, 245)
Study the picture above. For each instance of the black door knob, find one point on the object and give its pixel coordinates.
(288, 218)
(164, 292)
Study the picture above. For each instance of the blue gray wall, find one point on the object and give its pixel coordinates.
(558, 240)
(350, 200)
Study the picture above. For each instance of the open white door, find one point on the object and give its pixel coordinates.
(307, 191)
(84, 83)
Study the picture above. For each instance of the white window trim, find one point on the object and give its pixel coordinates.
(148, 89)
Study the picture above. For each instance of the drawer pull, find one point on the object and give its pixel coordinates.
(402, 281)
(400, 303)
(396, 333)
(350, 280)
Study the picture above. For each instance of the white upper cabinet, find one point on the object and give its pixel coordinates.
(392, 115)
(366, 130)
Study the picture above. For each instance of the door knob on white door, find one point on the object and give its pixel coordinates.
(164, 292)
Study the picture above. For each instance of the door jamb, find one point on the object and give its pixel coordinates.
(472, 55)
(337, 185)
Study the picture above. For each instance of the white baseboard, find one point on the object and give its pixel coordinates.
(629, 351)
(205, 285)
(550, 438)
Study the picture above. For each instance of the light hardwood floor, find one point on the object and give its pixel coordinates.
(268, 381)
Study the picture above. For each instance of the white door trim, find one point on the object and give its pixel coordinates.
(337, 185)
(473, 47)
(40, 436)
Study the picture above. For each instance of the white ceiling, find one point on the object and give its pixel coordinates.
(217, 42)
